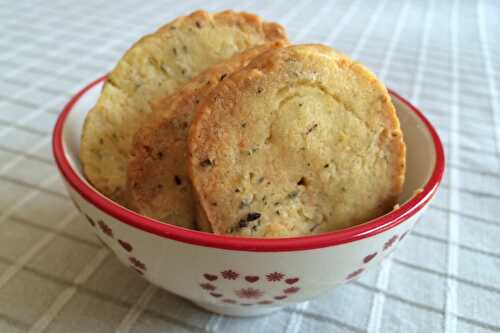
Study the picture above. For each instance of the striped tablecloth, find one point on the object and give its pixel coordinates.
(444, 56)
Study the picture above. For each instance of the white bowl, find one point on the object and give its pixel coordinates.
(248, 276)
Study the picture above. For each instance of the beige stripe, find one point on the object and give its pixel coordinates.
(63, 298)
(136, 310)
(26, 257)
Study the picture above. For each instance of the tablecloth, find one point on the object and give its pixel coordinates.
(444, 56)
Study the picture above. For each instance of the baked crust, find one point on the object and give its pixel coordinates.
(153, 67)
(301, 141)
(157, 181)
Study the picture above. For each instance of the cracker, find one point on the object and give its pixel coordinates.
(153, 67)
(157, 181)
(301, 141)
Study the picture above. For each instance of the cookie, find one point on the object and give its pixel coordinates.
(153, 67)
(157, 181)
(301, 141)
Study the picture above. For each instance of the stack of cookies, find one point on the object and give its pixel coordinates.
(215, 122)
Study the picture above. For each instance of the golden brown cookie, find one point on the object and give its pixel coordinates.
(157, 181)
(154, 67)
(301, 141)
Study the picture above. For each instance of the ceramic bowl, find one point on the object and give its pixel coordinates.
(248, 276)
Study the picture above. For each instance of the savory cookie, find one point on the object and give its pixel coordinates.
(152, 68)
(301, 141)
(157, 181)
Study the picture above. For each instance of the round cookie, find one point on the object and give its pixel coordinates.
(154, 67)
(301, 141)
(157, 181)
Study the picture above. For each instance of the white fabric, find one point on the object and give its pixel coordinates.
(444, 56)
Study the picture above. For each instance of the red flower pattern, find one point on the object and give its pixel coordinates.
(252, 278)
(125, 245)
(275, 277)
(210, 277)
(369, 257)
(92, 223)
(249, 293)
(291, 290)
(390, 242)
(265, 302)
(105, 228)
(137, 270)
(355, 273)
(230, 274)
(137, 263)
(208, 286)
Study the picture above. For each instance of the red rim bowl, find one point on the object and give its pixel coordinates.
(361, 231)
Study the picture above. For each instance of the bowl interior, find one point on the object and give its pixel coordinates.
(420, 150)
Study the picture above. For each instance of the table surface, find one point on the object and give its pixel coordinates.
(55, 276)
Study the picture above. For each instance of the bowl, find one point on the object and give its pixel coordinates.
(248, 276)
